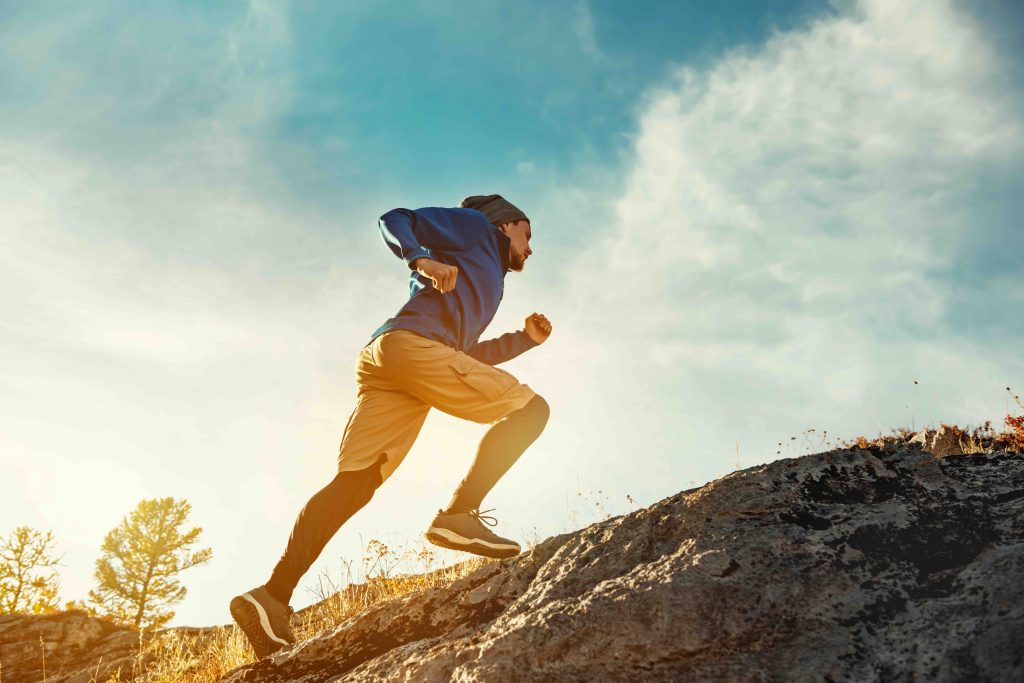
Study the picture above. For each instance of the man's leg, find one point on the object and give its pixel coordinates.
(460, 385)
(379, 433)
(318, 521)
(263, 612)
(500, 447)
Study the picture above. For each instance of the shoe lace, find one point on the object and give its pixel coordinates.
(486, 519)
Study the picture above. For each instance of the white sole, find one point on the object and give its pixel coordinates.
(264, 620)
(453, 537)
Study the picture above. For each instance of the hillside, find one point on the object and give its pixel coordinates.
(870, 564)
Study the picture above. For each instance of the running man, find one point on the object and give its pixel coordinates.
(426, 356)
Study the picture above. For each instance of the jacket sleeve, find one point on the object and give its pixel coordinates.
(411, 236)
(501, 349)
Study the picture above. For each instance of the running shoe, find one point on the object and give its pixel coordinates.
(466, 531)
(264, 620)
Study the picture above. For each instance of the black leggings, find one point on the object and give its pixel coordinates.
(334, 504)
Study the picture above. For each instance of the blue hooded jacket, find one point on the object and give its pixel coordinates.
(466, 239)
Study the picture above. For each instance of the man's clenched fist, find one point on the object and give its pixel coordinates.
(537, 327)
(442, 275)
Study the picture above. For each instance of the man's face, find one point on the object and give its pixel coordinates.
(520, 234)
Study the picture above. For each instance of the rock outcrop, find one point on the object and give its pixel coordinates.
(73, 647)
(879, 564)
(70, 647)
(894, 562)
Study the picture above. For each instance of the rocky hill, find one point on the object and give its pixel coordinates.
(861, 564)
(885, 563)
(68, 645)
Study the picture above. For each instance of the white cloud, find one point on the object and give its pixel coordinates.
(779, 251)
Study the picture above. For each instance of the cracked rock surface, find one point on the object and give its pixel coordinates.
(885, 564)
(70, 647)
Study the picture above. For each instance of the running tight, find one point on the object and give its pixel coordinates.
(348, 492)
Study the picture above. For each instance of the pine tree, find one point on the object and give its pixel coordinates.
(141, 558)
(28, 577)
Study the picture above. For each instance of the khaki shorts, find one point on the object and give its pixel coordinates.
(400, 376)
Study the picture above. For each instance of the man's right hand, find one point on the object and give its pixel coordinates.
(442, 275)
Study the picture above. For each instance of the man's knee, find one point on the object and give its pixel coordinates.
(539, 410)
(364, 481)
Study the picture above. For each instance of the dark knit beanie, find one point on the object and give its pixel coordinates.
(497, 209)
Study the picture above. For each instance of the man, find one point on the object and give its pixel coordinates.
(426, 356)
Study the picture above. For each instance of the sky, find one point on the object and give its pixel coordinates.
(758, 227)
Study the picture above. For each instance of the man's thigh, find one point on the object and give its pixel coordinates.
(448, 380)
(386, 420)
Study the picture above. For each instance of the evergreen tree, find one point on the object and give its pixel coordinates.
(28, 577)
(141, 558)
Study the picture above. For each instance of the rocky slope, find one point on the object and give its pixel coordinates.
(62, 644)
(880, 564)
(886, 563)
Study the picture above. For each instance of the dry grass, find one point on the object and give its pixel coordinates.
(383, 582)
(980, 439)
(186, 655)
(984, 438)
(202, 655)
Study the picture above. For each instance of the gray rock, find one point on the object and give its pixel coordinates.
(71, 643)
(77, 648)
(887, 564)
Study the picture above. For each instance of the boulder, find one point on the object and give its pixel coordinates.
(875, 564)
(73, 647)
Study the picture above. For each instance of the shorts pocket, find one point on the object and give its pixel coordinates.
(487, 379)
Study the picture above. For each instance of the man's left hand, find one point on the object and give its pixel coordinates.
(537, 327)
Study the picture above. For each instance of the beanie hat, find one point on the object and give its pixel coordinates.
(497, 209)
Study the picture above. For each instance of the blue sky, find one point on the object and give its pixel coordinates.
(750, 220)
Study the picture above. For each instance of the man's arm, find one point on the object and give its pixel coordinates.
(501, 349)
(396, 227)
(411, 236)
